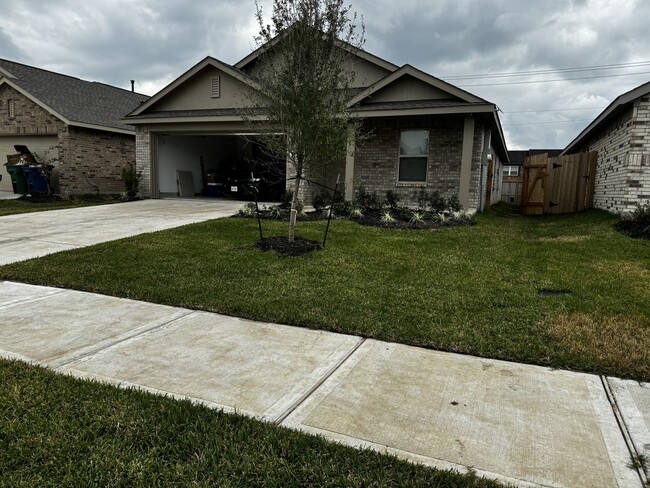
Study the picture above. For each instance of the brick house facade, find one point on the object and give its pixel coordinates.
(463, 132)
(80, 132)
(621, 137)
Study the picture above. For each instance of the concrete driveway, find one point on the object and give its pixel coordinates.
(31, 235)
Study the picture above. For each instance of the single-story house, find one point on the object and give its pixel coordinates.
(513, 176)
(621, 136)
(195, 125)
(75, 122)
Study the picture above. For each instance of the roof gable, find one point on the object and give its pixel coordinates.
(408, 84)
(77, 102)
(193, 90)
(247, 63)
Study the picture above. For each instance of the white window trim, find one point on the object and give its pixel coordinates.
(425, 157)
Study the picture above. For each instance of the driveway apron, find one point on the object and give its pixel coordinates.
(31, 235)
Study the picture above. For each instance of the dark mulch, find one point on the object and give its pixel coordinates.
(370, 219)
(40, 198)
(374, 219)
(637, 229)
(284, 248)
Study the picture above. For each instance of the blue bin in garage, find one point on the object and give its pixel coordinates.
(35, 181)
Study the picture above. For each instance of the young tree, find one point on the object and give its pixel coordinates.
(304, 73)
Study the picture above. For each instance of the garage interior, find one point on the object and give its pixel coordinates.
(218, 166)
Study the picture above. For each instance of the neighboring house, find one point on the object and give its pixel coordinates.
(513, 175)
(195, 124)
(73, 121)
(621, 136)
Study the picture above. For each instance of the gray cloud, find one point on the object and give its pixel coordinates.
(156, 41)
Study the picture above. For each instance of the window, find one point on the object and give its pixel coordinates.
(11, 108)
(413, 155)
(215, 87)
(511, 171)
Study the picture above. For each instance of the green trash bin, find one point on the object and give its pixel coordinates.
(18, 180)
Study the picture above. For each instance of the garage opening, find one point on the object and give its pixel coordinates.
(218, 166)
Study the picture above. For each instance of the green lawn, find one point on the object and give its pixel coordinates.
(472, 289)
(57, 431)
(10, 207)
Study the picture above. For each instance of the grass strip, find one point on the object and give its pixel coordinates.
(58, 431)
(15, 206)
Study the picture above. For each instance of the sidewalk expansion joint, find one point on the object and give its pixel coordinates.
(23, 301)
(625, 432)
(281, 418)
(121, 340)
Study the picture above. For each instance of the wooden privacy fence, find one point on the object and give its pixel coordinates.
(563, 184)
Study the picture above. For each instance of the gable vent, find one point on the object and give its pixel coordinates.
(215, 87)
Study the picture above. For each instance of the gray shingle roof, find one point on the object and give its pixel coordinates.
(80, 101)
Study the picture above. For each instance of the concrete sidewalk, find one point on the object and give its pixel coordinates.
(526, 425)
(30, 235)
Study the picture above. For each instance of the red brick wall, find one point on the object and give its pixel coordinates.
(92, 160)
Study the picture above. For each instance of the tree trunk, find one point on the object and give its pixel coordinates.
(294, 211)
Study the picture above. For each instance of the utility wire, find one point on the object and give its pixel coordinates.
(552, 122)
(506, 112)
(560, 79)
(550, 71)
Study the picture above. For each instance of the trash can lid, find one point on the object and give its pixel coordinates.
(21, 149)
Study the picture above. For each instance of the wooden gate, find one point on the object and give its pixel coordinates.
(564, 184)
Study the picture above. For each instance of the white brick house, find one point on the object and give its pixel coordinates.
(621, 136)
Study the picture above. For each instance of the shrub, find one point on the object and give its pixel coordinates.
(454, 203)
(367, 201)
(436, 202)
(641, 214)
(248, 209)
(320, 201)
(417, 218)
(404, 213)
(275, 212)
(391, 200)
(422, 199)
(342, 208)
(131, 179)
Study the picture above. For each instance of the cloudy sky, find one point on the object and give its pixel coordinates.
(542, 55)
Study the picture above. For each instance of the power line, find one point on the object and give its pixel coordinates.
(553, 122)
(560, 79)
(550, 71)
(506, 112)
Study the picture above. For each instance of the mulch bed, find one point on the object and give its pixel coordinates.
(374, 219)
(284, 248)
(637, 229)
(40, 198)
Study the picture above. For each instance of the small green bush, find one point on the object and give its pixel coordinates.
(392, 200)
(365, 200)
(131, 179)
(320, 201)
(436, 202)
(454, 203)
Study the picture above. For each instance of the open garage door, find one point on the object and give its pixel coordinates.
(217, 165)
(37, 145)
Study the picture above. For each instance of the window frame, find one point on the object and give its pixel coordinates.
(507, 170)
(425, 157)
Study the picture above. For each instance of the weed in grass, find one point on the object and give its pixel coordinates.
(639, 462)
